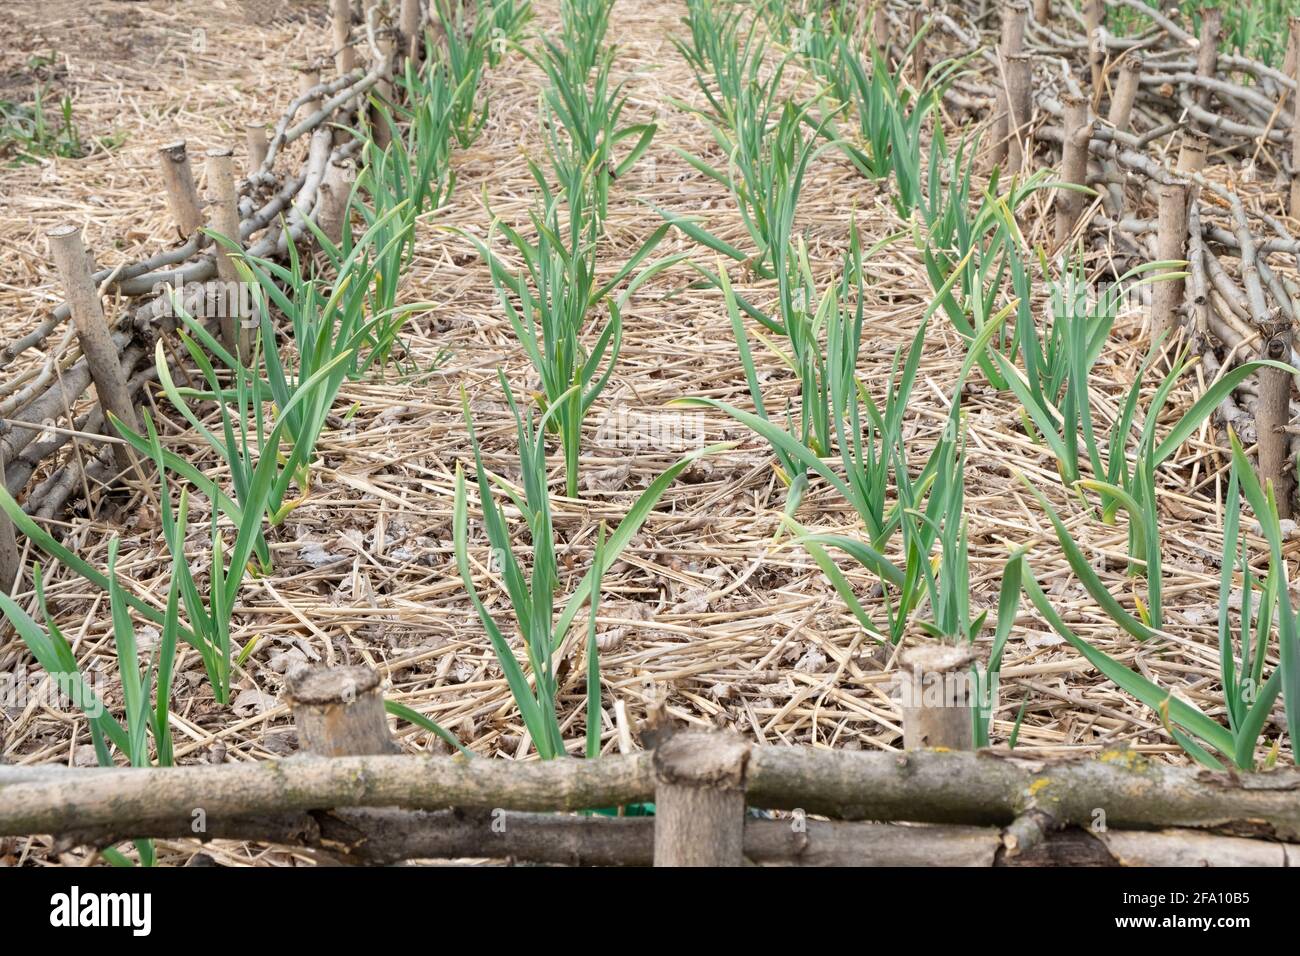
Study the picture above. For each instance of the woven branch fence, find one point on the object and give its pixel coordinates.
(348, 798)
(269, 208)
(1191, 153)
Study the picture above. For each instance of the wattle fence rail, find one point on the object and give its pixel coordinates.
(350, 799)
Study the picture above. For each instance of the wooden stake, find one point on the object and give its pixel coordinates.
(1000, 134)
(1120, 117)
(335, 191)
(182, 194)
(1126, 90)
(339, 712)
(700, 800)
(920, 64)
(257, 145)
(1198, 285)
(937, 706)
(1014, 15)
(1191, 157)
(880, 29)
(1074, 165)
(1042, 11)
(1273, 412)
(410, 26)
(1292, 59)
(345, 58)
(92, 332)
(224, 199)
(1020, 110)
(1094, 12)
(1011, 43)
(308, 77)
(1207, 54)
(1295, 128)
(11, 561)
(1171, 243)
(379, 130)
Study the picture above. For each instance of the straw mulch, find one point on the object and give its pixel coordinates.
(702, 615)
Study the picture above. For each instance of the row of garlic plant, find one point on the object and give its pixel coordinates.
(556, 301)
(554, 304)
(549, 304)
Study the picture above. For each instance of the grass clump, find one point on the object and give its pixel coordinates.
(824, 334)
(1119, 465)
(969, 256)
(766, 160)
(33, 130)
(873, 458)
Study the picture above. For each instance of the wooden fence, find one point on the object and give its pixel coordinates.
(349, 798)
(265, 210)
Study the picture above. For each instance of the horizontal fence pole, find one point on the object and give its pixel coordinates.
(53, 801)
(385, 836)
(987, 788)
(983, 788)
